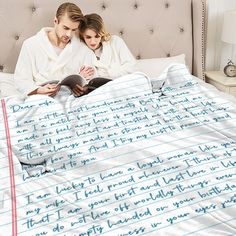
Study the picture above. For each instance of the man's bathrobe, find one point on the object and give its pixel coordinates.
(39, 63)
(116, 59)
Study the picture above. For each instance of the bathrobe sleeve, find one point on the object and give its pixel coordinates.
(125, 63)
(23, 75)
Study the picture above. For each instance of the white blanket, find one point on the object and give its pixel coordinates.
(120, 161)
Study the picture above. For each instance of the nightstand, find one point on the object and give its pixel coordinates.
(221, 81)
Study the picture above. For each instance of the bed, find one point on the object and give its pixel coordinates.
(150, 153)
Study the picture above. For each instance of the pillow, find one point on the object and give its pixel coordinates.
(6, 76)
(155, 66)
(7, 86)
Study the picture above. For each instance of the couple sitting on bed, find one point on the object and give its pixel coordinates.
(55, 53)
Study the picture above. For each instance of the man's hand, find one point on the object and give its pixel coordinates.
(87, 72)
(79, 91)
(48, 89)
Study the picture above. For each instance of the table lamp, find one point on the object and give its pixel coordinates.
(229, 36)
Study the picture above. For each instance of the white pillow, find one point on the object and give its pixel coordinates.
(7, 86)
(155, 66)
(6, 75)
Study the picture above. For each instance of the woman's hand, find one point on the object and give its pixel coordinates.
(87, 72)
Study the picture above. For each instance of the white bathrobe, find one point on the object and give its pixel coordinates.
(38, 61)
(116, 59)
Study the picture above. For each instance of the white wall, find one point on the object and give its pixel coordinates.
(218, 52)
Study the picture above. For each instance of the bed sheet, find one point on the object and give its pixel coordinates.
(7, 85)
(135, 157)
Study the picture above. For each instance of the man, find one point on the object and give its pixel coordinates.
(53, 54)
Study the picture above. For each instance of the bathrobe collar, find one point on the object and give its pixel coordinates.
(45, 45)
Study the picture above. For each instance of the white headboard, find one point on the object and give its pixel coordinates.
(151, 28)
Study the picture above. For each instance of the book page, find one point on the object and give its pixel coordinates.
(72, 80)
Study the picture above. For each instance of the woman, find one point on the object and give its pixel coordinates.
(112, 58)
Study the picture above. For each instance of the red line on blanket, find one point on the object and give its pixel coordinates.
(11, 170)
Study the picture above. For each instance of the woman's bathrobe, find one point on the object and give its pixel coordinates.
(116, 59)
(38, 61)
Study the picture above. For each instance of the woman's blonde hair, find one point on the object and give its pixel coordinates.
(94, 22)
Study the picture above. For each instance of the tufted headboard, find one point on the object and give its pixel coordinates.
(151, 28)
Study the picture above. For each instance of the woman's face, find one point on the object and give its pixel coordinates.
(92, 39)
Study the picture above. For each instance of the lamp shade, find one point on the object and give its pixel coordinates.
(229, 27)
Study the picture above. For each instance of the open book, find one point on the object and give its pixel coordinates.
(72, 80)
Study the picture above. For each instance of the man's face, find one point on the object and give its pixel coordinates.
(65, 29)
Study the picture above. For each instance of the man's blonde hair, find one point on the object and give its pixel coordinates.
(71, 10)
